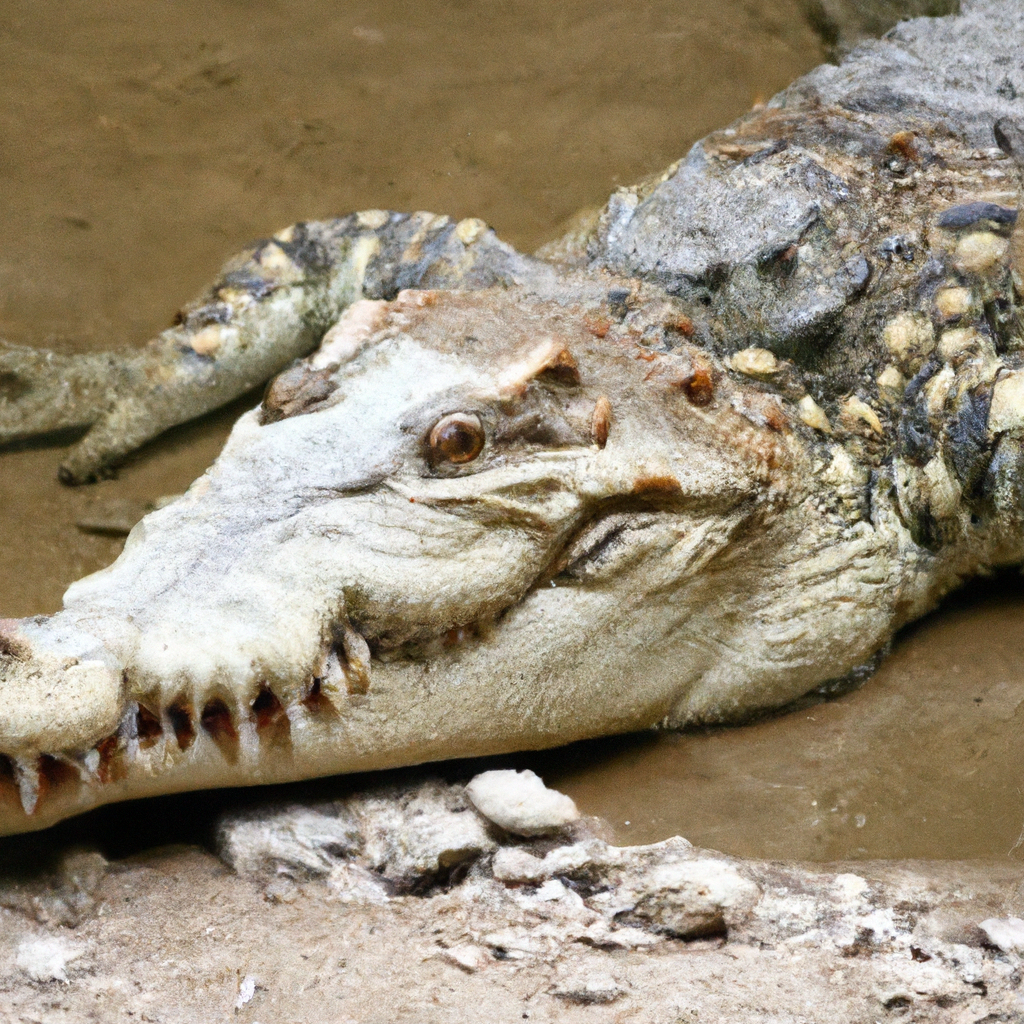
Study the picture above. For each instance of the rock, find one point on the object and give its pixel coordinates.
(695, 899)
(519, 802)
(594, 988)
(390, 838)
(294, 841)
(246, 990)
(62, 894)
(512, 864)
(413, 838)
(352, 883)
(1005, 932)
(45, 958)
(466, 957)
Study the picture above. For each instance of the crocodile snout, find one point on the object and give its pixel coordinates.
(60, 693)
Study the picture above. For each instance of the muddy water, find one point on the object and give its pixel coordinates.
(140, 145)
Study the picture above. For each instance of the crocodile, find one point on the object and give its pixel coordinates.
(698, 458)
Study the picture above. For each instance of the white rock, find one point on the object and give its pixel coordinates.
(246, 990)
(520, 802)
(292, 840)
(352, 883)
(1005, 932)
(467, 957)
(46, 958)
(593, 988)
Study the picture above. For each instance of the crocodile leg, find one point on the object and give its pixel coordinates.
(43, 392)
(271, 305)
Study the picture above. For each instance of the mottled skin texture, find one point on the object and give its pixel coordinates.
(701, 459)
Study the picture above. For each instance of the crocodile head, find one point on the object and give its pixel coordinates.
(470, 522)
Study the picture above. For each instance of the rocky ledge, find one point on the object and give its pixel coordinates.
(408, 903)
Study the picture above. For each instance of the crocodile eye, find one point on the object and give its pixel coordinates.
(458, 437)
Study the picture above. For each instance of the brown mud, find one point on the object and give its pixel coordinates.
(140, 146)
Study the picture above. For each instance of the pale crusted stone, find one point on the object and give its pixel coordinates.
(353, 883)
(693, 898)
(1007, 409)
(46, 958)
(468, 957)
(407, 837)
(520, 802)
(755, 362)
(589, 989)
(977, 252)
(953, 302)
(64, 895)
(812, 415)
(294, 840)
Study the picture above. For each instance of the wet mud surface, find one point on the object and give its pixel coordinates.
(137, 153)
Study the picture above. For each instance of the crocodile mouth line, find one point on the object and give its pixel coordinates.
(161, 731)
(580, 558)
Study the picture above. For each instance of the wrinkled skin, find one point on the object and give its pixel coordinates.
(700, 460)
